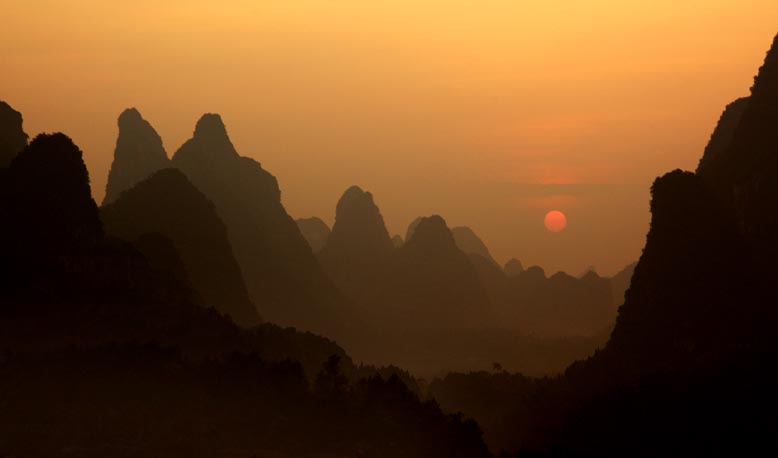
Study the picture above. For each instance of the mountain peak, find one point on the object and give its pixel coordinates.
(209, 141)
(210, 125)
(359, 226)
(129, 115)
(139, 153)
(433, 232)
(354, 196)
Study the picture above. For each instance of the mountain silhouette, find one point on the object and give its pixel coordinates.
(359, 249)
(315, 231)
(167, 203)
(558, 306)
(65, 283)
(722, 136)
(397, 241)
(281, 273)
(105, 354)
(359, 229)
(429, 306)
(12, 136)
(139, 153)
(48, 186)
(745, 173)
(437, 282)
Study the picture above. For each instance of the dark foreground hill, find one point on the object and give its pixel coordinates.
(102, 354)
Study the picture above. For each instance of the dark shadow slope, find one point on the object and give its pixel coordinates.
(167, 203)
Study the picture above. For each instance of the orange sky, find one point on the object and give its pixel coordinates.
(487, 112)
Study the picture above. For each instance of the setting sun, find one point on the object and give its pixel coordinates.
(555, 221)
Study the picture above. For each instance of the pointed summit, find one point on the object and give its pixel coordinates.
(209, 142)
(13, 139)
(359, 228)
(436, 280)
(139, 153)
(210, 125)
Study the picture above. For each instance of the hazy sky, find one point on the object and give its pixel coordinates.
(489, 113)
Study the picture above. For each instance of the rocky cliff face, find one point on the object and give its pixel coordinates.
(139, 153)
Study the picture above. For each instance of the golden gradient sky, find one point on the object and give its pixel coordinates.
(487, 112)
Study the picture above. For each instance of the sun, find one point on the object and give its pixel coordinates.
(555, 221)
